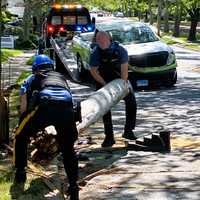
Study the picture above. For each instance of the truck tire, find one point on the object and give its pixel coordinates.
(172, 82)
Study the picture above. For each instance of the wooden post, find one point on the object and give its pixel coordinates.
(4, 120)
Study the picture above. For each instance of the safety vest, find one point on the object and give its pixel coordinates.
(110, 67)
(54, 79)
(42, 81)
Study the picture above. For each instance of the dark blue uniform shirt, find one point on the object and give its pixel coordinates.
(95, 54)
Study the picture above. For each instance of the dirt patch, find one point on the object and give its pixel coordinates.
(185, 143)
(196, 69)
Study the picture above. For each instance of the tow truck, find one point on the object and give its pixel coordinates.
(66, 20)
(62, 22)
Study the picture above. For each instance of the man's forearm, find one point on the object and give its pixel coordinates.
(95, 74)
(124, 71)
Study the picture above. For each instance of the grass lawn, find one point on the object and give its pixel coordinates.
(34, 188)
(182, 41)
(6, 53)
(6, 177)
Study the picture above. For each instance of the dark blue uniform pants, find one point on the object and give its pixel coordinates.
(131, 111)
(60, 115)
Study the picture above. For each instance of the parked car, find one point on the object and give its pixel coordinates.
(118, 14)
(151, 61)
(14, 23)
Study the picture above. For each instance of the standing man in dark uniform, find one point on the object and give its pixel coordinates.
(46, 100)
(109, 61)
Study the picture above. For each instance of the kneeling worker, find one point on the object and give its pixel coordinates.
(46, 100)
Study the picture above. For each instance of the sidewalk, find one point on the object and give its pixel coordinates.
(145, 175)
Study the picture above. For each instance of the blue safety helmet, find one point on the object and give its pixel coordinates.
(42, 63)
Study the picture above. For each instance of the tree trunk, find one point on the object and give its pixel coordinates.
(176, 27)
(177, 19)
(166, 17)
(150, 11)
(27, 21)
(195, 16)
(192, 33)
(124, 6)
(132, 8)
(38, 14)
(159, 17)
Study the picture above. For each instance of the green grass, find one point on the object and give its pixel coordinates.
(35, 189)
(168, 40)
(22, 77)
(6, 53)
(4, 190)
(6, 179)
(182, 40)
(30, 60)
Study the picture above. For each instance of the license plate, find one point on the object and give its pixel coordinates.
(142, 82)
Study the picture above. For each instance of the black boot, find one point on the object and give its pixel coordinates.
(129, 134)
(108, 141)
(73, 193)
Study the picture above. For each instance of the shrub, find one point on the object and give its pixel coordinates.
(13, 30)
(32, 43)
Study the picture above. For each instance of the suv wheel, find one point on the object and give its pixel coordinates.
(172, 81)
